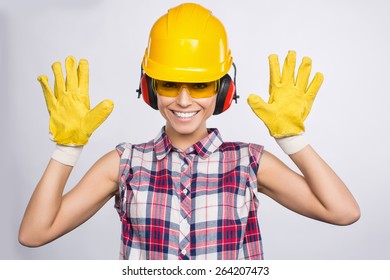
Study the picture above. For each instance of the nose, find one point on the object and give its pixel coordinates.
(184, 98)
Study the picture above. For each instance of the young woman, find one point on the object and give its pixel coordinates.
(186, 194)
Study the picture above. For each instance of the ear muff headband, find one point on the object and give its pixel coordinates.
(226, 92)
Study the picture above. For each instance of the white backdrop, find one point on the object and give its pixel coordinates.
(349, 123)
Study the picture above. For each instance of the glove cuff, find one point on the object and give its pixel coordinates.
(293, 144)
(67, 155)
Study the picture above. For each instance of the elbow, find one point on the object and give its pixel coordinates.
(349, 217)
(354, 217)
(28, 239)
(31, 243)
(25, 241)
(28, 242)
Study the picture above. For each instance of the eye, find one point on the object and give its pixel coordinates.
(169, 85)
(200, 85)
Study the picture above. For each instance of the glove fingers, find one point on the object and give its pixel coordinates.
(71, 74)
(83, 78)
(48, 94)
(304, 74)
(312, 92)
(289, 68)
(315, 85)
(59, 82)
(274, 68)
(97, 115)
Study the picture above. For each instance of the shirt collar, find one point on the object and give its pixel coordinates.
(204, 148)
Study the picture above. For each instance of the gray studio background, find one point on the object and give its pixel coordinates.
(349, 123)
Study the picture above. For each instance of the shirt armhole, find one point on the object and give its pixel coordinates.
(255, 152)
(125, 151)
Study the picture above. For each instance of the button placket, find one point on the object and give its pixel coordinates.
(185, 204)
(185, 185)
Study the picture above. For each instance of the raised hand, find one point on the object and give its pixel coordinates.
(71, 120)
(290, 99)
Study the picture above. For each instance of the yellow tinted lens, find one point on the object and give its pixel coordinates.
(196, 90)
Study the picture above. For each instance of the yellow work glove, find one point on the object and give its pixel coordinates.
(290, 99)
(71, 120)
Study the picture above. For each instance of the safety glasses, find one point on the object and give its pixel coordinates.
(196, 90)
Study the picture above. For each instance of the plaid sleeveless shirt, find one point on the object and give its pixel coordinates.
(200, 203)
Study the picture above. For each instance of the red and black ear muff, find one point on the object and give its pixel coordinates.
(146, 89)
(226, 92)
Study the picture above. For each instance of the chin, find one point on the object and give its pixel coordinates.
(187, 129)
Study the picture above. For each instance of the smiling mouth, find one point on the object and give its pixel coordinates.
(183, 115)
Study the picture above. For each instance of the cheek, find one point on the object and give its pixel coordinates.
(163, 102)
(208, 105)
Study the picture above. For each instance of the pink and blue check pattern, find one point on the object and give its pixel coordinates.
(195, 204)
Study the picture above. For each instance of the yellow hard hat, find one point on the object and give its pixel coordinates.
(188, 44)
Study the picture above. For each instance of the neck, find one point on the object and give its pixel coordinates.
(184, 141)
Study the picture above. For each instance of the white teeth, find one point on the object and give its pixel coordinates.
(185, 115)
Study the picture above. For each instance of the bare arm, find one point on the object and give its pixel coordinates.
(50, 214)
(319, 193)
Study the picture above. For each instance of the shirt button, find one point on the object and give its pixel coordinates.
(185, 191)
(184, 251)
